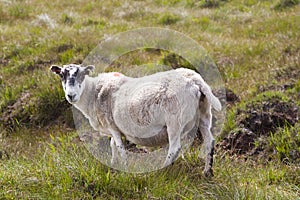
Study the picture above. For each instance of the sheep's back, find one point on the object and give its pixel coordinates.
(142, 105)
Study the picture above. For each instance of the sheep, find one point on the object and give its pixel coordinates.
(150, 111)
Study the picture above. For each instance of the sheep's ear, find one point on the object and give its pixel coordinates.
(55, 69)
(88, 69)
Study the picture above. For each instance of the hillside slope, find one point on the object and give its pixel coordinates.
(256, 46)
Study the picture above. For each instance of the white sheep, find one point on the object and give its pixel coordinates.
(150, 111)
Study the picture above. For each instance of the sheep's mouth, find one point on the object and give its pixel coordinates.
(72, 99)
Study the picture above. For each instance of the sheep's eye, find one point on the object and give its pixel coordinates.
(75, 74)
(63, 77)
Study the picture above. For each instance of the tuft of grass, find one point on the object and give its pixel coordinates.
(230, 123)
(283, 4)
(285, 142)
(8, 96)
(66, 56)
(209, 3)
(19, 11)
(99, 23)
(168, 19)
(175, 61)
(67, 19)
(167, 2)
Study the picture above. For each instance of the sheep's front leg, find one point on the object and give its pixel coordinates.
(114, 151)
(174, 145)
(117, 145)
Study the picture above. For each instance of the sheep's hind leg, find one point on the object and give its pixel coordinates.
(174, 145)
(209, 141)
(209, 150)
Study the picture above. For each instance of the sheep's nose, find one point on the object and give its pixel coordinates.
(71, 96)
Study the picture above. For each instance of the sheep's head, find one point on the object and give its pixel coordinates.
(72, 78)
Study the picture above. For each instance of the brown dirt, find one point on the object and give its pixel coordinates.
(258, 120)
(4, 155)
(238, 141)
(231, 97)
(14, 111)
(23, 112)
(4, 62)
(266, 116)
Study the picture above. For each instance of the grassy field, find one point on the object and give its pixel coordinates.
(256, 46)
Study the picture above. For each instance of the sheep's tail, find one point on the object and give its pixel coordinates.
(203, 87)
(206, 90)
(212, 99)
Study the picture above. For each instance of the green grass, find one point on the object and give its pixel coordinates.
(168, 18)
(286, 143)
(62, 168)
(254, 43)
(282, 4)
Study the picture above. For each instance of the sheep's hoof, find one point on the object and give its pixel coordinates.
(208, 173)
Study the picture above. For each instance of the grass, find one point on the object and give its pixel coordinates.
(282, 4)
(62, 168)
(168, 18)
(286, 143)
(254, 43)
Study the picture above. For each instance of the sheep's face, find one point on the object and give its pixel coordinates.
(72, 78)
